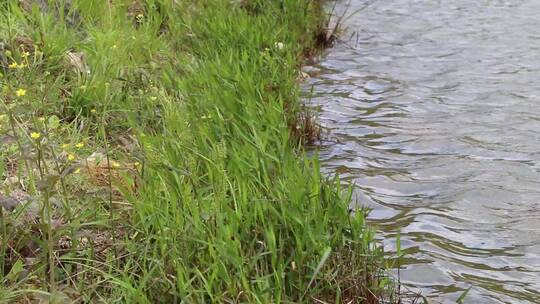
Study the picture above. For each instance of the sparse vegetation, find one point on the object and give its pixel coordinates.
(151, 153)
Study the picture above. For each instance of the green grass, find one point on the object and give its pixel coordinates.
(169, 165)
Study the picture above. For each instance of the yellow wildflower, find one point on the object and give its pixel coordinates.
(20, 92)
(35, 135)
(78, 171)
(153, 98)
(71, 157)
(115, 165)
(114, 46)
(79, 145)
(64, 146)
(13, 65)
(93, 111)
(25, 54)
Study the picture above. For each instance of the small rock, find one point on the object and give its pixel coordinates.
(135, 8)
(77, 62)
(25, 43)
(7, 139)
(27, 5)
(3, 58)
(8, 203)
(11, 202)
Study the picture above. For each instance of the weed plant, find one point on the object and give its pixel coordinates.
(151, 152)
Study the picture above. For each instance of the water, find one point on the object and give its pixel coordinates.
(433, 110)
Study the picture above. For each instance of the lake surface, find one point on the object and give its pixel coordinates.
(433, 111)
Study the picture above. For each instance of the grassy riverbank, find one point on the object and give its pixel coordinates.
(155, 148)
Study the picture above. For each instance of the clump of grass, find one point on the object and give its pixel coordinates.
(155, 143)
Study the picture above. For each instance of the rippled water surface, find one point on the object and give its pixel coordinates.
(433, 109)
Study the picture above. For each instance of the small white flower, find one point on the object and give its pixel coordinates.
(279, 45)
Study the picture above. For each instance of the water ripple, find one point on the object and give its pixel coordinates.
(433, 111)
